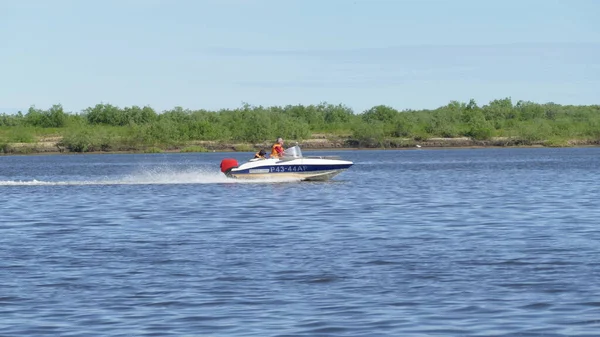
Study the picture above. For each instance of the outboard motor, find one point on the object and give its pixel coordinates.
(227, 164)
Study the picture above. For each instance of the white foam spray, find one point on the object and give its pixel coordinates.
(153, 176)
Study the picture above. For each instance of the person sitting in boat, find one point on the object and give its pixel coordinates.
(277, 150)
(260, 154)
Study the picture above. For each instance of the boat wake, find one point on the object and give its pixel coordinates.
(152, 176)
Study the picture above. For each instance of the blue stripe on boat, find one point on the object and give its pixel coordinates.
(294, 168)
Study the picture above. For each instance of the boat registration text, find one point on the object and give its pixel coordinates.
(289, 168)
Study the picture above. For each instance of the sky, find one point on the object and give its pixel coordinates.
(217, 54)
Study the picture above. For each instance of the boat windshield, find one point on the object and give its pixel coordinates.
(293, 152)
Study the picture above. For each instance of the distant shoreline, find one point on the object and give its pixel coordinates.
(52, 147)
(105, 128)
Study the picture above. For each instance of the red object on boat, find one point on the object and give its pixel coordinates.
(227, 164)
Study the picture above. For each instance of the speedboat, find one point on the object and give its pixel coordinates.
(292, 165)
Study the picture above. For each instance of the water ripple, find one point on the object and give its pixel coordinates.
(406, 243)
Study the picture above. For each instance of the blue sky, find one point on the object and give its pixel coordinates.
(212, 54)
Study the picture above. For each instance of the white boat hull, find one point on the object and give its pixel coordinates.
(310, 169)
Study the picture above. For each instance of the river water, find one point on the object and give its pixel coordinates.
(462, 242)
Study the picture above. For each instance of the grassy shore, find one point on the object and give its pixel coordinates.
(105, 128)
(52, 145)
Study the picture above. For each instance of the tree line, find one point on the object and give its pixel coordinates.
(105, 127)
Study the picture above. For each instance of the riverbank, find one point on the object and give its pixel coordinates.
(52, 145)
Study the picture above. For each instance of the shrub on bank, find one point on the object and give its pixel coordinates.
(54, 117)
(153, 150)
(19, 134)
(4, 148)
(88, 139)
(369, 135)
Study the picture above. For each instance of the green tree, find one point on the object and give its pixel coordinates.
(105, 114)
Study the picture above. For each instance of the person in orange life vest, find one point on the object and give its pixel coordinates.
(260, 154)
(277, 150)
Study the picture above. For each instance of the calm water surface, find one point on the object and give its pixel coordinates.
(486, 242)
